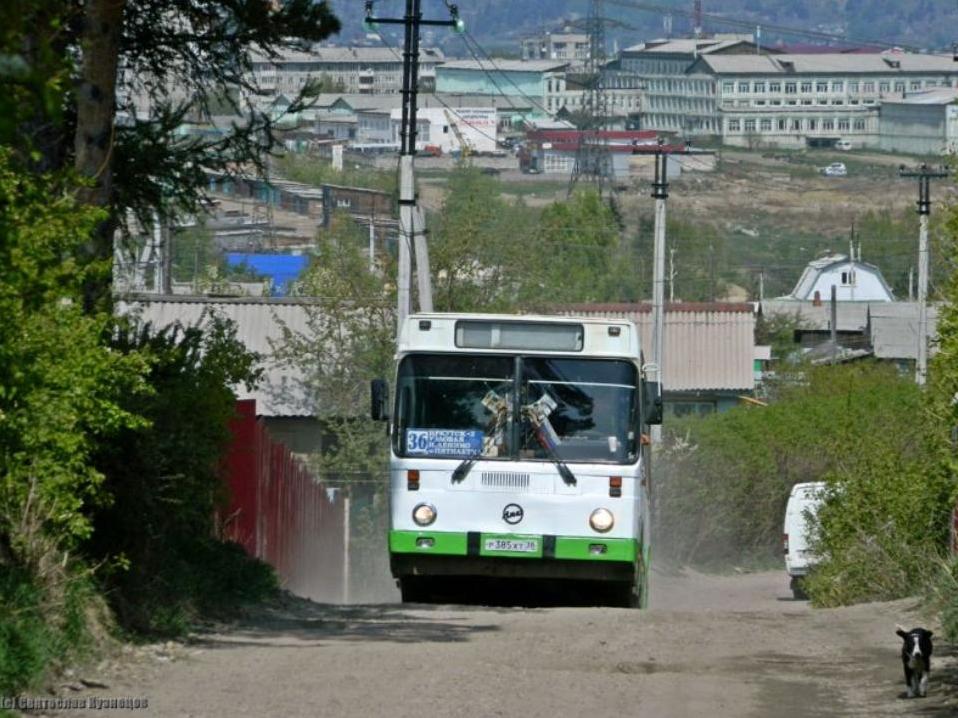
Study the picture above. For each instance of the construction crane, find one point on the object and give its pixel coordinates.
(466, 147)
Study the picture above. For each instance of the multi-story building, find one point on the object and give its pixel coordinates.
(366, 70)
(661, 64)
(568, 46)
(748, 95)
(798, 100)
(548, 85)
(541, 82)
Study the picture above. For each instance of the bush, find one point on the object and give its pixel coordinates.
(724, 480)
(165, 568)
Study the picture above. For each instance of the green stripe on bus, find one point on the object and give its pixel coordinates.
(445, 543)
(587, 549)
(566, 547)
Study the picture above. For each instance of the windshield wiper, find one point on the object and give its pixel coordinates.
(564, 471)
(462, 471)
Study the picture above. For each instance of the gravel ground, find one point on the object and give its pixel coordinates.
(710, 645)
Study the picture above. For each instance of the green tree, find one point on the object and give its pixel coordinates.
(487, 254)
(349, 340)
(61, 392)
(200, 50)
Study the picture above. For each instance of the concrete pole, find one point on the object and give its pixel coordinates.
(834, 323)
(372, 243)
(346, 547)
(660, 193)
(422, 261)
(406, 229)
(921, 365)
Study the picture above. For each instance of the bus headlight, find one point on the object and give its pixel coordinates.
(424, 514)
(601, 520)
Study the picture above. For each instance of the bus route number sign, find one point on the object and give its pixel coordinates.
(443, 442)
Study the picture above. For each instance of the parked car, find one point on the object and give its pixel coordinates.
(835, 169)
(843, 145)
(798, 536)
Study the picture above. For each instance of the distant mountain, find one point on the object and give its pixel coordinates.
(499, 24)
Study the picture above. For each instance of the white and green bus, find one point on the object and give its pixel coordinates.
(519, 451)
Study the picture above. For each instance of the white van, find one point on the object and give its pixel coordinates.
(797, 536)
(843, 145)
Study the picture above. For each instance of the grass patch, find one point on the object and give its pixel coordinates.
(40, 632)
(200, 579)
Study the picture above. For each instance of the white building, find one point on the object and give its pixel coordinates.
(854, 281)
(570, 46)
(441, 127)
(663, 62)
(921, 123)
(366, 70)
(784, 100)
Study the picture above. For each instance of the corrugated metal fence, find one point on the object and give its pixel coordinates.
(280, 514)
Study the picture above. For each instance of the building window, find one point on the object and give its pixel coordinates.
(838, 86)
(812, 125)
(838, 102)
(806, 87)
(766, 124)
(916, 84)
(843, 125)
(806, 102)
(728, 87)
(899, 87)
(821, 86)
(791, 102)
(821, 101)
(860, 125)
(796, 125)
(828, 124)
(790, 88)
(743, 87)
(734, 126)
(853, 87)
(782, 124)
(868, 87)
(775, 87)
(759, 87)
(759, 103)
(750, 125)
(884, 86)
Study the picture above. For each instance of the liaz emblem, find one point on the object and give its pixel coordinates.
(512, 513)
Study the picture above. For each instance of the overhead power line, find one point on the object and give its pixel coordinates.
(751, 24)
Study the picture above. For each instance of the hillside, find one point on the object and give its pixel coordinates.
(497, 23)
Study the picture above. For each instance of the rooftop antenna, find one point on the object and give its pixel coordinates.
(697, 18)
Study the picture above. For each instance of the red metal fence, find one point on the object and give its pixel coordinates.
(280, 514)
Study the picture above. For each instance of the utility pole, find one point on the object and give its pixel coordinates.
(411, 223)
(671, 275)
(660, 193)
(925, 175)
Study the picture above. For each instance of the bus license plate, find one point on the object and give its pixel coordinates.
(512, 545)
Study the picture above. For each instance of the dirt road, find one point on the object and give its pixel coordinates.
(709, 646)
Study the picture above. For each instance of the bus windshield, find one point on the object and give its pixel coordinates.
(503, 407)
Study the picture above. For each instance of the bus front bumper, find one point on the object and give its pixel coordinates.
(425, 553)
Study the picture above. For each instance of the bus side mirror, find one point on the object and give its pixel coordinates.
(379, 395)
(653, 403)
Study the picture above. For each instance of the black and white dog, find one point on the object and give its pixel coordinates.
(916, 659)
